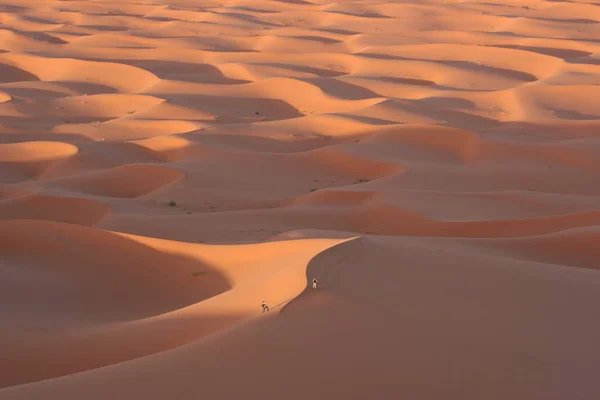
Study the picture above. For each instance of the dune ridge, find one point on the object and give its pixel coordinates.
(193, 311)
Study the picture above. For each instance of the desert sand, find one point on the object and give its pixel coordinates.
(165, 166)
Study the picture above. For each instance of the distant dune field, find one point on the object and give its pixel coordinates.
(166, 166)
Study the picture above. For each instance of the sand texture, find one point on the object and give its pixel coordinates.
(165, 166)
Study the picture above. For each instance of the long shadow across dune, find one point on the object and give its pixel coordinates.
(180, 71)
(93, 298)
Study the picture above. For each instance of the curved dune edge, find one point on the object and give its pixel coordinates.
(121, 77)
(347, 163)
(107, 105)
(8, 74)
(78, 280)
(255, 272)
(571, 247)
(459, 293)
(384, 219)
(110, 277)
(127, 181)
(54, 208)
(127, 129)
(4, 97)
(32, 152)
(34, 159)
(165, 148)
(468, 147)
(464, 145)
(310, 96)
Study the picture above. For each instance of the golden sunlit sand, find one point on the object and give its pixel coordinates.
(165, 166)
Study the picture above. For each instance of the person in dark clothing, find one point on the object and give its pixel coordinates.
(264, 306)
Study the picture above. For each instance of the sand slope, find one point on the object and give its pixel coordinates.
(167, 166)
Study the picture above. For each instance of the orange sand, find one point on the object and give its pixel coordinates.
(165, 166)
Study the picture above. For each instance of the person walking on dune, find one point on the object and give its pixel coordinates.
(315, 281)
(264, 306)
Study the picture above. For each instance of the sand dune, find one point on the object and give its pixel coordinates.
(109, 105)
(125, 181)
(54, 208)
(167, 166)
(125, 129)
(445, 288)
(32, 159)
(156, 269)
(569, 247)
(113, 75)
